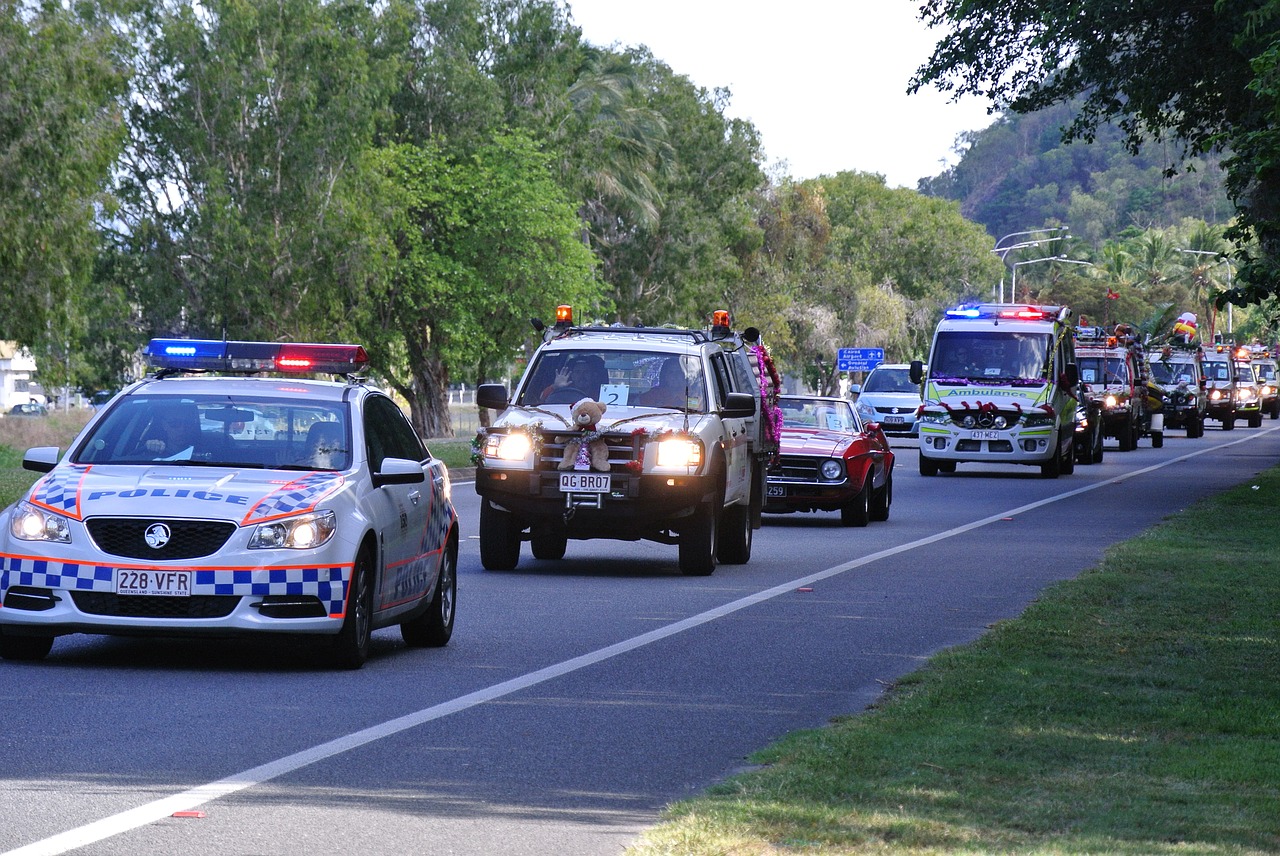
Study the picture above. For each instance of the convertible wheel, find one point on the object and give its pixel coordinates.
(434, 627)
(735, 535)
(24, 647)
(499, 539)
(858, 511)
(882, 499)
(351, 645)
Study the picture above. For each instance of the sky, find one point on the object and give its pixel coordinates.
(823, 81)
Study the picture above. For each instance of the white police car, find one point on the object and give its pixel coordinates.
(167, 517)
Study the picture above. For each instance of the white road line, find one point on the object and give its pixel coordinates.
(195, 797)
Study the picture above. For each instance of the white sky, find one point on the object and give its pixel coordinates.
(824, 81)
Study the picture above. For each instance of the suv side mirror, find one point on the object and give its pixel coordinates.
(492, 396)
(738, 405)
(917, 372)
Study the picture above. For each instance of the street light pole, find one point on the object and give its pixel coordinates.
(1003, 252)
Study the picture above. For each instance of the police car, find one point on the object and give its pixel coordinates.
(255, 501)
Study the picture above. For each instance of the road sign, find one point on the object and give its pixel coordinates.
(858, 359)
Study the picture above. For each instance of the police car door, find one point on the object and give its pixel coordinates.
(399, 511)
(736, 433)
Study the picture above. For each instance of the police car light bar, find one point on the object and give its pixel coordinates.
(217, 355)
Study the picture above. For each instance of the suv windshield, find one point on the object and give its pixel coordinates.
(1171, 372)
(1217, 370)
(1103, 370)
(616, 378)
(220, 430)
(890, 380)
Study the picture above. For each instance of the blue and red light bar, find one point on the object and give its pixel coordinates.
(989, 310)
(220, 356)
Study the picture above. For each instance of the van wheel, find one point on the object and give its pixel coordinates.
(499, 539)
(735, 535)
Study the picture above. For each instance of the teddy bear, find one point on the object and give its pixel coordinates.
(588, 450)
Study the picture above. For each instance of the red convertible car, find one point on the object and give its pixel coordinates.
(830, 460)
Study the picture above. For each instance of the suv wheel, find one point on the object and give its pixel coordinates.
(499, 539)
(698, 541)
(735, 535)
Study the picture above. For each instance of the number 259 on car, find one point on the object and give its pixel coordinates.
(153, 582)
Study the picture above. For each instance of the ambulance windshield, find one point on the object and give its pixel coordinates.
(990, 355)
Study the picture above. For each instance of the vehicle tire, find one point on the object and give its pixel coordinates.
(351, 645)
(1128, 435)
(947, 467)
(1052, 468)
(548, 546)
(433, 628)
(1195, 426)
(1157, 439)
(857, 512)
(1068, 464)
(24, 647)
(699, 539)
(499, 539)
(882, 499)
(1229, 423)
(1099, 444)
(1255, 420)
(928, 467)
(734, 547)
(1275, 410)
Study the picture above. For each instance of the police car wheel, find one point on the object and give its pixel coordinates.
(433, 628)
(351, 645)
(858, 510)
(24, 647)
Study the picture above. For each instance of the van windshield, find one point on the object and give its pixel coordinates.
(990, 355)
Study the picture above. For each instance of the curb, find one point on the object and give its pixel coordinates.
(461, 474)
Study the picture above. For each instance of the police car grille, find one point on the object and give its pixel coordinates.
(623, 448)
(188, 539)
(144, 606)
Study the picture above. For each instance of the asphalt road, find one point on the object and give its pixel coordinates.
(578, 697)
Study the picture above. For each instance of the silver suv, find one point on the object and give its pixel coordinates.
(678, 454)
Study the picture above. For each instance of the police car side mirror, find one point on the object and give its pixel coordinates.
(41, 459)
(492, 396)
(738, 405)
(917, 372)
(399, 471)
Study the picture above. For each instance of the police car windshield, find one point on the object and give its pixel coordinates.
(617, 379)
(990, 355)
(221, 431)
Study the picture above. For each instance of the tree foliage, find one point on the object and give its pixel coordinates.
(1200, 74)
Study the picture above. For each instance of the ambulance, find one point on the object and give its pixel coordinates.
(1002, 387)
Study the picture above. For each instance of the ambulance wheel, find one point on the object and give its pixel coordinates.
(499, 539)
(24, 647)
(735, 535)
(1068, 462)
(947, 467)
(858, 510)
(928, 467)
(1275, 410)
(548, 545)
(1195, 427)
(882, 499)
(433, 628)
(699, 539)
(351, 645)
(1052, 468)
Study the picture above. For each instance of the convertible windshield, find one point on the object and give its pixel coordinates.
(616, 378)
(221, 431)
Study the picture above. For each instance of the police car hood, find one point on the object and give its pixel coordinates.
(168, 490)
(816, 443)
(652, 420)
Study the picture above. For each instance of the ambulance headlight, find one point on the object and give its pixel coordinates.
(1000, 422)
(969, 421)
(678, 453)
(934, 418)
(1036, 420)
(508, 449)
(832, 470)
(32, 523)
(295, 533)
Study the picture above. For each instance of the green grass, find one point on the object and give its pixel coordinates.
(1133, 710)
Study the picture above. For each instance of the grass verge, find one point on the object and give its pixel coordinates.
(1132, 710)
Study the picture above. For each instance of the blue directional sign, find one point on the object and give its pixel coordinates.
(858, 359)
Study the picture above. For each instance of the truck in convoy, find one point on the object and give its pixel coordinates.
(680, 427)
(1113, 372)
(1177, 369)
(1002, 388)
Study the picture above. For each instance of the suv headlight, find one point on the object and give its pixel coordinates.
(33, 523)
(677, 453)
(512, 450)
(295, 533)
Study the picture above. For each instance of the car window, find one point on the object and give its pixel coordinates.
(388, 433)
(890, 380)
(618, 378)
(818, 413)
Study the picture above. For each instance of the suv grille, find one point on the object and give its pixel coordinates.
(623, 449)
(188, 539)
(146, 606)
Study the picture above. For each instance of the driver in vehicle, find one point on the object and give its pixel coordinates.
(585, 374)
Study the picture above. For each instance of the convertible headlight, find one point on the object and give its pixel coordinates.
(679, 453)
(832, 469)
(515, 447)
(295, 533)
(32, 523)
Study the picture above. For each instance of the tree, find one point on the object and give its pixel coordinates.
(481, 244)
(1202, 74)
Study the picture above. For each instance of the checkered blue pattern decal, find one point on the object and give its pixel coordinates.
(329, 583)
(60, 490)
(301, 494)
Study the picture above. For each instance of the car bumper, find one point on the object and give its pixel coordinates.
(783, 496)
(1030, 446)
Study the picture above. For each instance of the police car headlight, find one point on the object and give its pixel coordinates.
(32, 523)
(515, 447)
(679, 453)
(832, 470)
(295, 533)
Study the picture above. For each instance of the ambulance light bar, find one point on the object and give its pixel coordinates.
(991, 310)
(217, 355)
